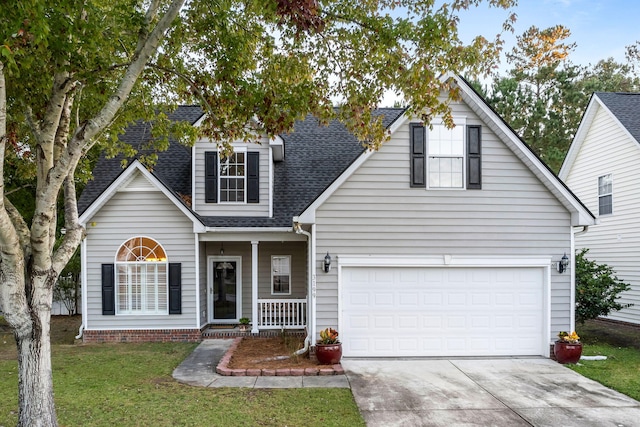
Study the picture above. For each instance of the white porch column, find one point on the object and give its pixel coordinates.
(254, 287)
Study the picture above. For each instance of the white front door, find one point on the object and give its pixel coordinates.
(225, 289)
(417, 311)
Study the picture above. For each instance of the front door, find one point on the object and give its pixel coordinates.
(225, 289)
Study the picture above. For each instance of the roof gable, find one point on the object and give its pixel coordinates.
(130, 180)
(173, 166)
(624, 109)
(579, 213)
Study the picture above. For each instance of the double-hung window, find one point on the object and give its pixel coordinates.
(605, 195)
(445, 148)
(443, 158)
(233, 178)
(141, 278)
(281, 275)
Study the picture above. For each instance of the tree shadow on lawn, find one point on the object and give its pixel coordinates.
(602, 331)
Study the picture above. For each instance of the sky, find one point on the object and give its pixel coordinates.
(600, 28)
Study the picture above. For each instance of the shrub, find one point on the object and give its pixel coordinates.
(597, 289)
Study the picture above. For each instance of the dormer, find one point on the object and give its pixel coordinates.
(239, 185)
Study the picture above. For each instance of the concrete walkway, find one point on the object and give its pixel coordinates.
(454, 392)
(484, 392)
(199, 369)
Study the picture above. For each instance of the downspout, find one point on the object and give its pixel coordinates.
(83, 286)
(311, 262)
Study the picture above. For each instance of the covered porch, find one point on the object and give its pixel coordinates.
(263, 278)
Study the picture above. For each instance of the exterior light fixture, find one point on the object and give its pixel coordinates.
(563, 264)
(327, 263)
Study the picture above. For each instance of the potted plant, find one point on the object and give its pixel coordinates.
(328, 348)
(244, 324)
(567, 348)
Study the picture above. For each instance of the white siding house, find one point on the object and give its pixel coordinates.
(444, 242)
(607, 149)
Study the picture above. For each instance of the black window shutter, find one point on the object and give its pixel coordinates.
(211, 177)
(253, 177)
(108, 290)
(474, 161)
(418, 155)
(175, 288)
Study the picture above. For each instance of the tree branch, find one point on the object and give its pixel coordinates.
(83, 136)
(75, 233)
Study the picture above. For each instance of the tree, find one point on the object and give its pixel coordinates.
(544, 95)
(531, 98)
(74, 74)
(597, 289)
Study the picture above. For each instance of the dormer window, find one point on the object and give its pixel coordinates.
(233, 179)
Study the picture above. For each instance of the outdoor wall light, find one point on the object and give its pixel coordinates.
(563, 264)
(326, 266)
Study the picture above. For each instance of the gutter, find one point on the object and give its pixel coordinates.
(311, 259)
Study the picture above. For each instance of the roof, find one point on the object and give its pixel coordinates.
(626, 107)
(316, 156)
(173, 167)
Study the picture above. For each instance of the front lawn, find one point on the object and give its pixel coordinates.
(131, 385)
(621, 345)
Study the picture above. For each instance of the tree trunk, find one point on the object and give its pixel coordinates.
(35, 388)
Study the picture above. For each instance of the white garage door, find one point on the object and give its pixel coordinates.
(405, 311)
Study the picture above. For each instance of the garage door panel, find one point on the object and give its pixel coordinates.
(441, 311)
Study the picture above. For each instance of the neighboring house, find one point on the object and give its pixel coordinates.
(442, 243)
(601, 167)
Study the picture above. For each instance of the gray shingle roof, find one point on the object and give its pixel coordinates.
(315, 156)
(626, 107)
(173, 167)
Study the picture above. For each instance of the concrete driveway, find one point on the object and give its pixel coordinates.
(483, 392)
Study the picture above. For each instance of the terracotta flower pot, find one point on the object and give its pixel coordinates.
(329, 354)
(566, 352)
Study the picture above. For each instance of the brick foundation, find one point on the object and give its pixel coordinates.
(143, 335)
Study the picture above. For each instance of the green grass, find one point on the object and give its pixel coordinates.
(621, 370)
(131, 385)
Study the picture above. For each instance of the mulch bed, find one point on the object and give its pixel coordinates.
(271, 357)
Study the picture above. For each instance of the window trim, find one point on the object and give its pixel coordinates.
(273, 292)
(236, 150)
(143, 293)
(459, 122)
(600, 196)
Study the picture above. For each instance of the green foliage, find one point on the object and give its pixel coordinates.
(544, 95)
(597, 289)
(66, 291)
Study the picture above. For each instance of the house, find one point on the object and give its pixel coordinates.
(601, 167)
(445, 242)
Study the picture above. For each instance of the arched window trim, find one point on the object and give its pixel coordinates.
(162, 258)
(146, 287)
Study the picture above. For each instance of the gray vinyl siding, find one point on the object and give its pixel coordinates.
(297, 250)
(375, 212)
(136, 213)
(260, 209)
(608, 149)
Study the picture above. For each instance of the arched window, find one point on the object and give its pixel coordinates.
(141, 277)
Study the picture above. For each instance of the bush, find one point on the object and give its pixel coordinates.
(66, 292)
(597, 289)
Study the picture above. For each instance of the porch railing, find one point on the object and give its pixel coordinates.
(282, 313)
